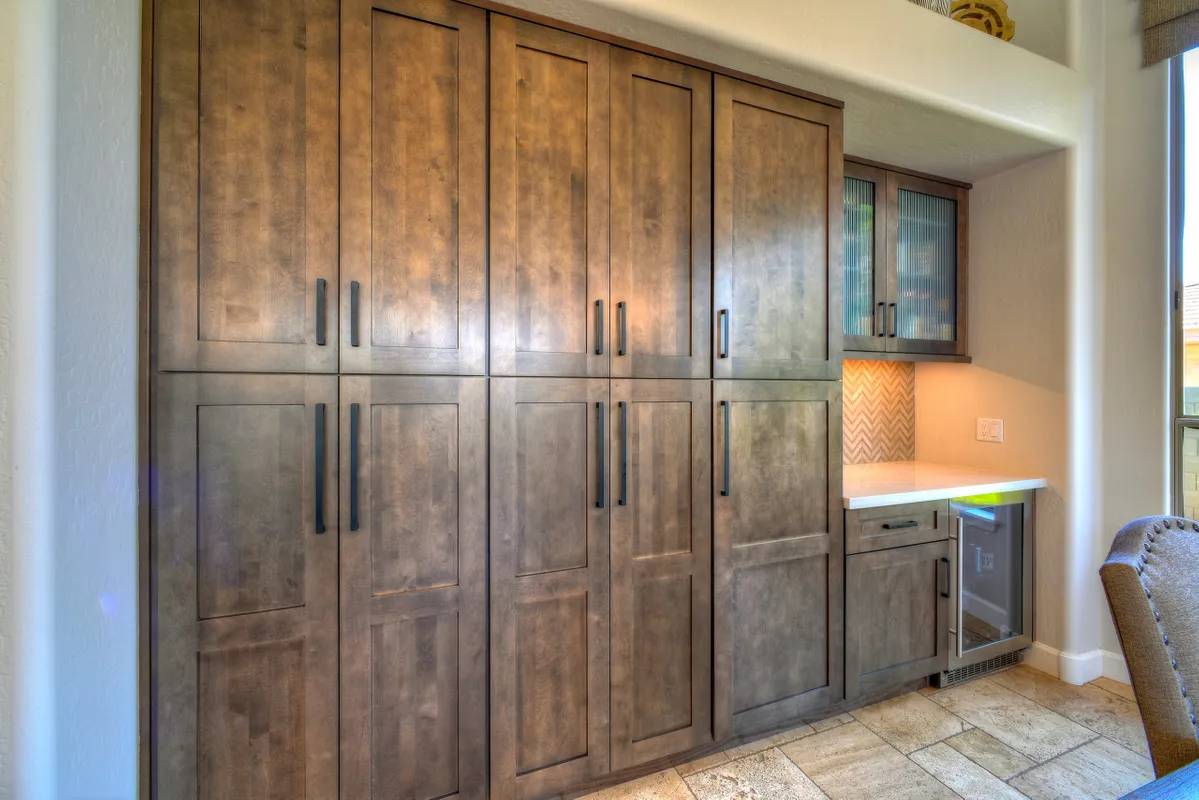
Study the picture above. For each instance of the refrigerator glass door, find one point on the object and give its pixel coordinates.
(990, 574)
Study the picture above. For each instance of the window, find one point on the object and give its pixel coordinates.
(1185, 260)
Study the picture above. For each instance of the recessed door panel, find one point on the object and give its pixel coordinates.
(551, 485)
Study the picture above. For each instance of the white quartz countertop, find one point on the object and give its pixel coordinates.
(893, 482)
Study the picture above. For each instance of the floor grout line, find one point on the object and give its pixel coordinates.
(1037, 764)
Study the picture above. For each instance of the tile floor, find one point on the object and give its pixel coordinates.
(1015, 734)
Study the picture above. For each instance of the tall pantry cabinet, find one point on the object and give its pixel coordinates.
(445, 499)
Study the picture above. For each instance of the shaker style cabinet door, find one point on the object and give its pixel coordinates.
(660, 494)
(244, 212)
(865, 291)
(549, 202)
(244, 587)
(549, 585)
(413, 588)
(778, 560)
(777, 228)
(661, 217)
(414, 191)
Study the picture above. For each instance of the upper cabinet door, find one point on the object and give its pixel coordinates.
(661, 217)
(927, 265)
(245, 185)
(777, 228)
(864, 288)
(413, 155)
(549, 201)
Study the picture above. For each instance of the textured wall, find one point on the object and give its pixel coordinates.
(7, 150)
(879, 414)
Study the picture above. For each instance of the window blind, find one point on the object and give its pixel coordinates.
(1170, 27)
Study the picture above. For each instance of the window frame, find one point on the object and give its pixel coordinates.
(1180, 421)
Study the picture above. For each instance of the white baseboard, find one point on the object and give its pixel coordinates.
(1043, 657)
(1115, 668)
(1076, 668)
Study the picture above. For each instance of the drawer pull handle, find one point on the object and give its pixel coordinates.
(897, 526)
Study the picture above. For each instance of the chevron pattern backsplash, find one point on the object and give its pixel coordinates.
(879, 411)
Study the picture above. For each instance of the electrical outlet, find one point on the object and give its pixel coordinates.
(989, 430)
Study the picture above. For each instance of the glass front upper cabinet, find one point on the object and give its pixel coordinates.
(905, 264)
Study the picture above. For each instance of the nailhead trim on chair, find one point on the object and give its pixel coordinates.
(1157, 617)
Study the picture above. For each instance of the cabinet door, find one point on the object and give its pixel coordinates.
(413, 588)
(413, 150)
(778, 532)
(661, 217)
(549, 201)
(549, 585)
(896, 629)
(244, 587)
(927, 266)
(660, 491)
(865, 280)
(777, 229)
(245, 185)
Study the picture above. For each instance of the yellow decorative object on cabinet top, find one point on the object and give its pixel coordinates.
(988, 16)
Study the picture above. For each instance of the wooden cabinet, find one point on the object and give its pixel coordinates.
(549, 584)
(777, 229)
(244, 236)
(879, 528)
(778, 557)
(244, 581)
(413, 587)
(906, 243)
(549, 201)
(661, 217)
(661, 557)
(413, 200)
(896, 628)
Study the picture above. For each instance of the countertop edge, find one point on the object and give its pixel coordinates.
(940, 493)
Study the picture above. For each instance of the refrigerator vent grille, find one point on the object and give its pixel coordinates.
(955, 676)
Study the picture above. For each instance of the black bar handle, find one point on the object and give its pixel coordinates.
(898, 526)
(355, 414)
(894, 321)
(355, 290)
(599, 327)
(725, 407)
(319, 467)
(722, 333)
(600, 447)
(624, 453)
(622, 331)
(945, 591)
(880, 326)
(321, 290)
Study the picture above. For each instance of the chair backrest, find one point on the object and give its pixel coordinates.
(1151, 577)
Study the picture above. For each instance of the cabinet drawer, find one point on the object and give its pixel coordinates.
(869, 529)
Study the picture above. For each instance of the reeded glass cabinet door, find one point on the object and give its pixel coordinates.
(865, 289)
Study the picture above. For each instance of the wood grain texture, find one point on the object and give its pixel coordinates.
(778, 552)
(661, 210)
(243, 589)
(896, 628)
(549, 627)
(868, 529)
(413, 201)
(661, 568)
(549, 201)
(244, 184)
(777, 234)
(413, 589)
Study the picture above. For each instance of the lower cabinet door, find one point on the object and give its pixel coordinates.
(778, 552)
(413, 587)
(549, 584)
(660, 491)
(244, 587)
(896, 602)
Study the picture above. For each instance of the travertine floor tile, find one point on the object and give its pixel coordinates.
(1099, 770)
(774, 740)
(702, 763)
(1115, 687)
(1090, 706)
(829, 723)
(962, 775)
(851, 761)
(909, 722)
(988, 752)
(664, 785)
(1013, 719)
(767, 775)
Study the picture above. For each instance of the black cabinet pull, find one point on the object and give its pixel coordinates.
(355, 414)
(600, 447)
(943, 562)
(624, 453)
(599, 327)
(880, 327)
(724, 492)
(898, 526)
(622, 331)
(722, 333)
(321, 289)
(355, 289)
(894, 321)
(319, 467)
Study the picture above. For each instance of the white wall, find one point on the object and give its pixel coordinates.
(8, 24)
(1042, 26)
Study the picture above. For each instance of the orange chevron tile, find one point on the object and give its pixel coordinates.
(879, 422)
